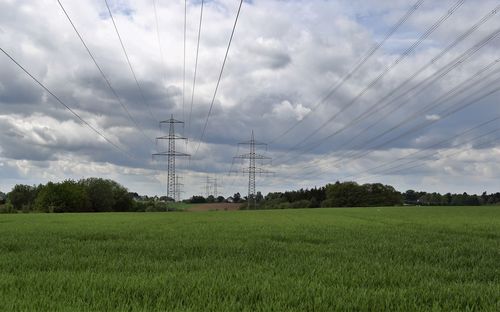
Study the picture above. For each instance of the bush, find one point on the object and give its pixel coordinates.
(158, 207)
(300, 204)
(7, 208)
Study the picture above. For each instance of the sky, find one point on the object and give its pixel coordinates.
(419, 113)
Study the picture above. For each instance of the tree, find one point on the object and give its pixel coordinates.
(22, 196)
(314, 203)
(236, 197)
(259, 197)
(351, 194)
(100, 194)
(67, 196)
(410, 197)
(3, 198)
(122, 199)
(107, 195)
(198, 200)
(220, 199)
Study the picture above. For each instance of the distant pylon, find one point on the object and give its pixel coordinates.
(171, 154)
(208, 186)
(212, 187)
(215, 188)
(178, 188)
(252, 156)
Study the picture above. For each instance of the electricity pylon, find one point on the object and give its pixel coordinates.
(171, 154)
(212, 187)
(216, 188)
(178, 188)
(208, 186)
(252, 169)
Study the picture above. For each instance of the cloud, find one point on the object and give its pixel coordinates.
(285, 57)
(432, 117)
(285, 109)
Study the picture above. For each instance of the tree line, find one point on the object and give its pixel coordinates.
(412, 197)
(104, 195)
(352, 194)
(345, 194)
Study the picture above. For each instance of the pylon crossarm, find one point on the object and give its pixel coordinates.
(177, 154)
(258, 170)
(252, 143)
(252, 156)
(171, 120)
(174, 137)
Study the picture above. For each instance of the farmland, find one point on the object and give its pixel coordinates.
(406, 259)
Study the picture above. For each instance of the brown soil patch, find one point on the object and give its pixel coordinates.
(214, 207)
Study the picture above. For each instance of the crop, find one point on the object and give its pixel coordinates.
(401, 259)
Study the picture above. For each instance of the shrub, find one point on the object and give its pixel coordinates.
(300, 204)
(7, 208)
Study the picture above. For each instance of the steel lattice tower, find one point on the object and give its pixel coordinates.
(178, 188)
(171, 154)
(212, 187)
(252, 169)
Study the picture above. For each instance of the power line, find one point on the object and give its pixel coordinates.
(410, 49)
(395, 169)
(195, 66)
(184, 63)
(457, 90)
(461, 88)
(427, 123)
(432, 146)
(218, 80)
(128, 61)
(339, 84)
(426, 83)
(102, 72)
(68, 108)
(159, 40)
(457, 61)
(443, 99)
(392, 170)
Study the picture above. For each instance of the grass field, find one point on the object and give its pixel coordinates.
(402, 259)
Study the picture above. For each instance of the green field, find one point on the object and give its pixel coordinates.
(404, 259)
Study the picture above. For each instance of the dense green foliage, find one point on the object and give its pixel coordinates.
(345, 194)
(68, 196)
(356, 259)
(351, 194)
(102, 195)
(198, 199)
(86, 195)
(436, 199)
(22, 197)
(3, 198)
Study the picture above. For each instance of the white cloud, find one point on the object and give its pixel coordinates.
(432, 117)
(285, 56)
(285, 110)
